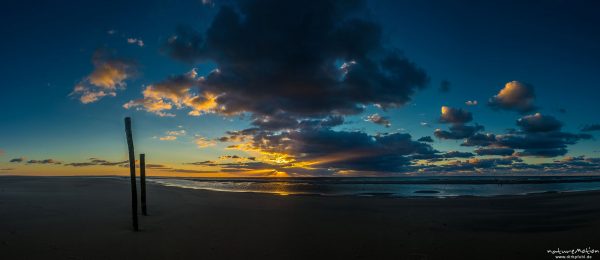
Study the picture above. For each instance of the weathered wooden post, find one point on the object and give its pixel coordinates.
(143, 183)
(132, 173)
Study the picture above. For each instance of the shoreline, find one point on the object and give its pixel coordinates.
(428, 193)
(387, 195)
(89, 218)
(403, 189)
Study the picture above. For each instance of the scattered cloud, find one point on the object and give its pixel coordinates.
(176, 132)
(45, 161)
(516, 96)
(168, 138)
(471, 102)
(495, 151)
(458, 118)
(444, 86)
(208, 2)
(135, 41)
(295, 82)
(457, 154)
(455, 115)
(592, 127)
(480, 139)
(458, 131)
(539, 123)
(172, 135)
(237, 158)
(380, 120)
(426, 139)
(18, 160)
(202, 142)
(539, 135)
(108, 76)
(175, 92)
(96, 161)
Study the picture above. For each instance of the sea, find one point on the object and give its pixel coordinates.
(440, 187)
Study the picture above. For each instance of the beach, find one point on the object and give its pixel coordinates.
(89, 218)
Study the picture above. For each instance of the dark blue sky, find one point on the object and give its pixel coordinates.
(549, 47)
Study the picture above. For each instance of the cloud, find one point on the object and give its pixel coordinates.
(592, 127)
(135, 41)
(544, 152)
(444, 86)
(510, 165)
(458, 131)
(426, 139)
(282, 121)
(457, 118)
(480, 139)
(539, 135)
(202, 142)
(539, 123)
(96, 161)
(471, 102)
(176, 132)
(168, 138)
(516, 96)
(457, 154)
(108, 76)
(172, 135)
(455, 115)
(236, 158)
(295, 81)
(495, 151)
(18, 160)
(542, 144)
(380, 120)
(175, 92)
(268, 63)
(46, 161)
(189, 171)
(324, 148)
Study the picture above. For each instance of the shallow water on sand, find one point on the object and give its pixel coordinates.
(392, 186)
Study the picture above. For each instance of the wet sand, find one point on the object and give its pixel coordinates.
(89, 218)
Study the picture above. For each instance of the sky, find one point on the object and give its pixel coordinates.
(301, 88)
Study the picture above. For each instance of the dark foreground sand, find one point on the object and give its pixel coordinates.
(88, 218)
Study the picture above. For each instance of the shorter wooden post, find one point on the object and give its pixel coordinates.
(143, 183)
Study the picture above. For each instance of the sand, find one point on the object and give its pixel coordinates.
(89, 218)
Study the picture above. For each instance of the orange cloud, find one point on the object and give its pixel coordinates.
(514, 96)
(175, 92)
(109, 74)
(168, 138)
(202, 142)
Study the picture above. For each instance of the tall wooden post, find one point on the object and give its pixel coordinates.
(132, 173)
(143, 183)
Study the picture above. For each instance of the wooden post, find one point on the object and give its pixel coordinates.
(143, 183)
(132, 173)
